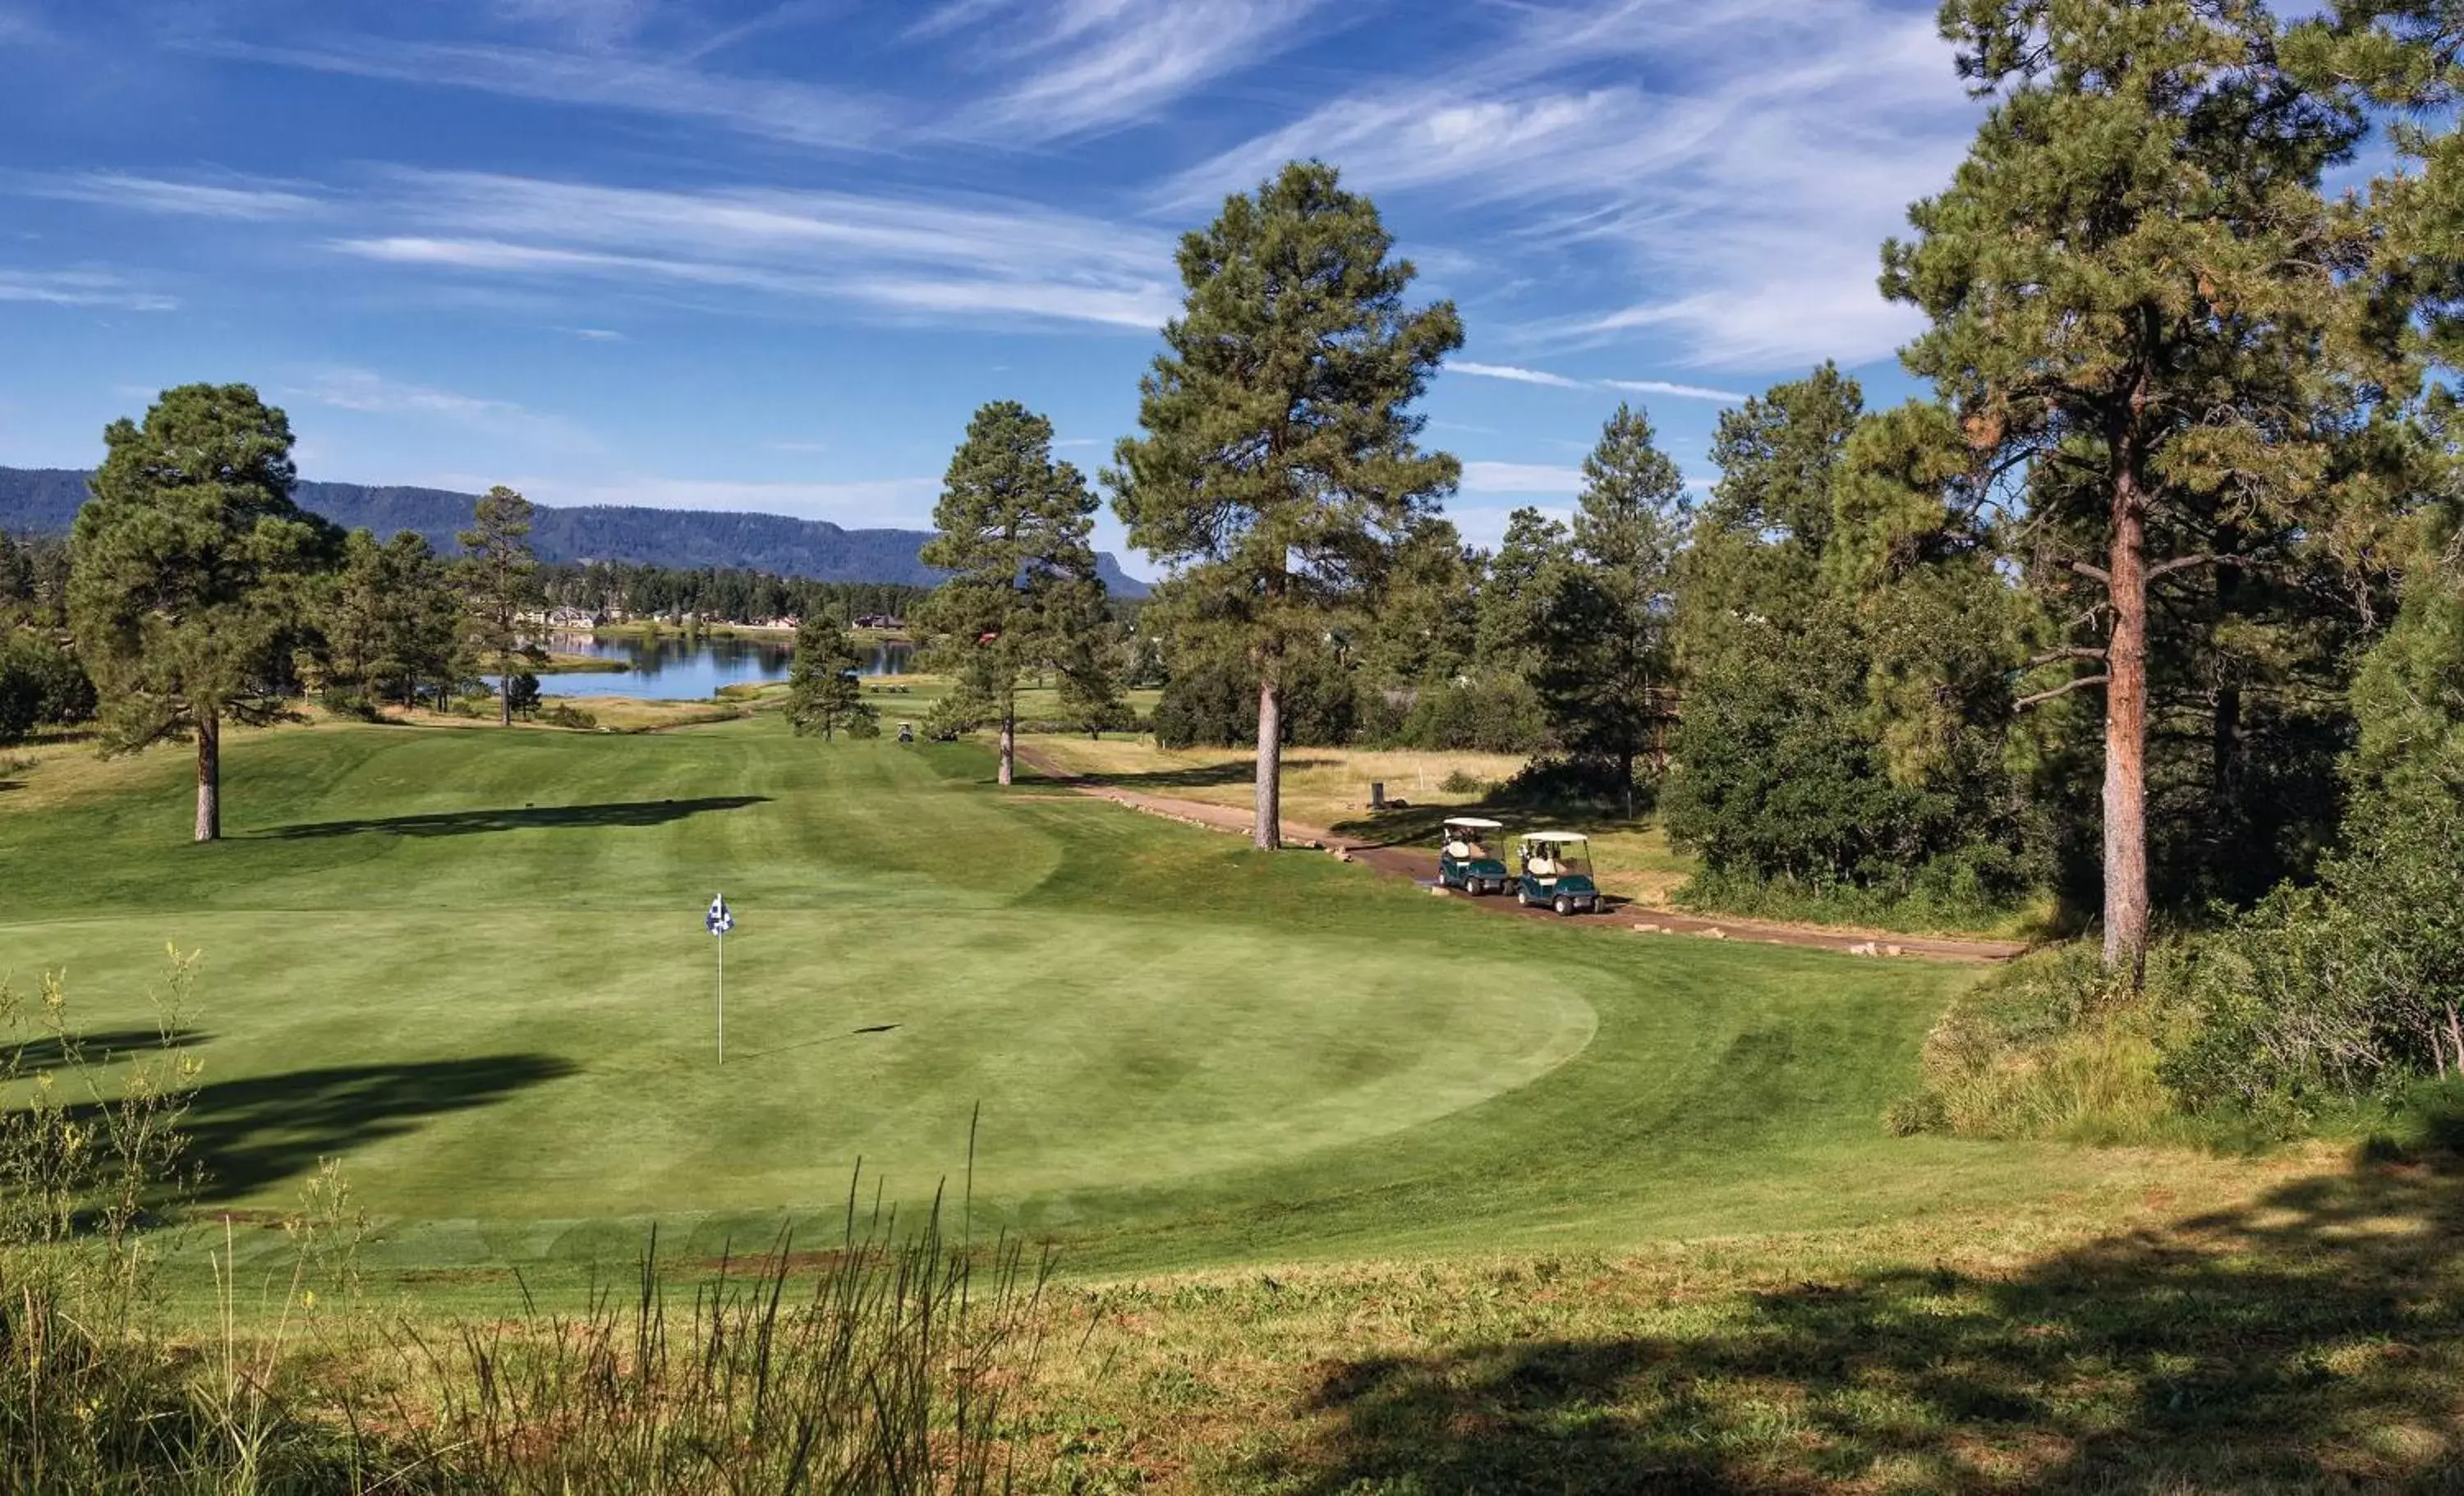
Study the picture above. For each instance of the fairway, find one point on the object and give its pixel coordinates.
(471, 964)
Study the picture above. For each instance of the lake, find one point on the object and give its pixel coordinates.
(672, 668)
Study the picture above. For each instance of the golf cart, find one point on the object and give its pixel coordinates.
(1557, 873)
(1465, 861)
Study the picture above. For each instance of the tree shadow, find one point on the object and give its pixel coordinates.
(255, 1132)
(1235, 771)
(465, 822)
(99, 1048)
(2313, 1340)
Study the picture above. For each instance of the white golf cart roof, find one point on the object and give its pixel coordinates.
(1555, 836)
(1476, 822)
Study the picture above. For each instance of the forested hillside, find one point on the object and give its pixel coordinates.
(45, 500)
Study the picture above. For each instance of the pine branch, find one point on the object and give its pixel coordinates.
(2062, 690)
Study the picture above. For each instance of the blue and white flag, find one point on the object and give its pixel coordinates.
(720, 920)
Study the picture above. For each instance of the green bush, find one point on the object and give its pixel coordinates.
(1501, 715)
(2352, 989)
(1216, 706)
(562, 714)
(41, 684)
(2051, 1046)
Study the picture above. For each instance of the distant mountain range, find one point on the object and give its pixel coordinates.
(45, 500)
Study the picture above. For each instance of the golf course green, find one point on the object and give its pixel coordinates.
(470, 965)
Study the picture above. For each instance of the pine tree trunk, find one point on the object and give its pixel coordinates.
(209, 778)
(1008, 747)
(2125, 737)
(1271, 766)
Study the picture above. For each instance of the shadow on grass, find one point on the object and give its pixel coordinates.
(1415, 825)
(252, 1134)
(2313, 1341)
(97, 1049)
(465, 823)
(1158, 782)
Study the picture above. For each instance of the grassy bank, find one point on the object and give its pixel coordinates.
(470, 964)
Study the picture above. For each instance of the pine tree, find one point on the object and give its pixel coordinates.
(2131, 281)
(824, 695)
(1606, 668)
(500, 583)
(1279, 457)
(191, 565)
(1514, 594)
(1023, 594)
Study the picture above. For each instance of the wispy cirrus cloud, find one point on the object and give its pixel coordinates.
(780, 109)
(1091, 65)
(365, 392)
(922, 258)
(236, 198)
(94, 288)
(1662, 387)
(1513, 375)
(1742, 159)
(1640, 386)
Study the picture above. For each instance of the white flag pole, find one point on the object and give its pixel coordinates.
(723, 997)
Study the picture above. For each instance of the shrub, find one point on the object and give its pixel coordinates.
(1216, 706)
(1462, 782)
(41, 684)
(2349, 989)
(1499, 715)
(2050, 1046)
(561, 713)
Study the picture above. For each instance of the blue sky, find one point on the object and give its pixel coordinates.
(747, 253)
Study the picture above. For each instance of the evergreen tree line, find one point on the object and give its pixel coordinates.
(41, 684)
(626, 590)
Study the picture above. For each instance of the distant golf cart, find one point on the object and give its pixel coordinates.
(1465, 861)
(1557, 873)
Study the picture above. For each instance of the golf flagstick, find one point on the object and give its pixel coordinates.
(718, 922)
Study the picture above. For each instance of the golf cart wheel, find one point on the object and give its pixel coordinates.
(1565, 905)
(1523, 896)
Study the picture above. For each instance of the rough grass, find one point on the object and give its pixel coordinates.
(470, 964)
(2296, 1326)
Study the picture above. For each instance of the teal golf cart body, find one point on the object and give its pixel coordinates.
(1465, 862)
(1556, 873)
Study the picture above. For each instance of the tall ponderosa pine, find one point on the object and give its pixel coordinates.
(190, 565)
(2131, 280)
(1023, 594)
(499, 584)
(1280, 457)
(1514, 594)
(824, 694)
(393, 622)
(1606, 668)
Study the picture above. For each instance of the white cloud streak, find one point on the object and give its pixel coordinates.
(1513, 375)
(947, 259)
(249, 200)
(798, 114)
(1662, 387)
(367, 393)
(1640, 386)
(94, 288)
(1093, 65)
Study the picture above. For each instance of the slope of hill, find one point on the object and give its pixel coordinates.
(45, 500)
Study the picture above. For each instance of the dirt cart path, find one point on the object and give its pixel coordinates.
(1418, 864)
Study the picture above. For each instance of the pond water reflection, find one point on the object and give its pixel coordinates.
(673, 667)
